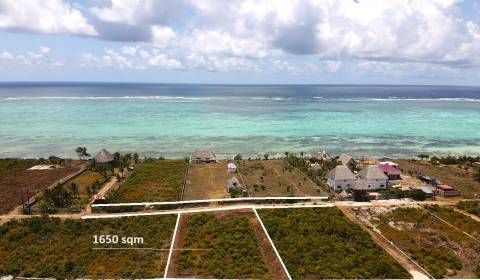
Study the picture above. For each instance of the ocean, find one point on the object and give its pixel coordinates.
(43, 119)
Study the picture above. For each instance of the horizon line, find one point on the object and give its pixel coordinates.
(221, 84)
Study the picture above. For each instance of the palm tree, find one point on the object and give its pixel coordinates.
(82, 152)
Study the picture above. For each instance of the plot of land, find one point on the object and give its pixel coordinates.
(233, 249)
(153, 180)
(321, 243)
(472, 207)
(15, 179)
(207, 181)
(40, 247)
(449, 174)
(444, 251)
(273, 178)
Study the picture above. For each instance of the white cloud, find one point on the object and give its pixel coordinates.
(43, 16)
(40, 57)
(131, 57)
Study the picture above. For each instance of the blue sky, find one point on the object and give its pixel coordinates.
(244, 41)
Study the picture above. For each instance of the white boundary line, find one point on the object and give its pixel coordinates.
(211, 200)
(184, 211)
(171, 246)
(271, 243)
(449, 224)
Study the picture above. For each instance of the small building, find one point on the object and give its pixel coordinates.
(371, 178)
(203, 156)
(103, 156)
(315, 166)
(424, 178)
(391, 169)
(232, 184)
(446, 191)
(428, 192)
(231, 167)
(323, 155)
(341, 178)
(345, 159)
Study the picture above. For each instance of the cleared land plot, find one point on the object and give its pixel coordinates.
(449, 174)
(444, 251)
(321, 243)
(41, 247)
(207, 181)
(271, 178)
(233, 248)
(152, 180)
(14, 180)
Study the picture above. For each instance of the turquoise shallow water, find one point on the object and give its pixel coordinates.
(39, 121)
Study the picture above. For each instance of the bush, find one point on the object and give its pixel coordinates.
(418, 195)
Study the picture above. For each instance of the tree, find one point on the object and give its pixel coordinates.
(135, 158)
(301, 154)
(265, 156)
(418, 195)
(423, 156)
(286, 154)
(238, 157)
(82, 152)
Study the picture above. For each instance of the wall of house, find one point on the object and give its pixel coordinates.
(364, 184)
(343, 184)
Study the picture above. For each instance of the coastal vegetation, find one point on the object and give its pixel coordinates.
(321, 243)
(45, 247)
(470, 206)
(317, 175)
(152, 180)
(228, 248)
(9, 166)
(444, 251)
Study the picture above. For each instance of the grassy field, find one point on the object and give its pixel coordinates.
(207, 181)
(452, 175)
(320, 243)
(445, 252)
(472, 207)
(152, 180)
(232, 248)
(9, 166)
(272, 178)
(41, 247)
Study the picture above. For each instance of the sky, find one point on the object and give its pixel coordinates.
(241, 41)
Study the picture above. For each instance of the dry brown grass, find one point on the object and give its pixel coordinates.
(270, 178)
(207, 181)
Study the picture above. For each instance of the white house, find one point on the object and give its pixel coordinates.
(232, 168)
(371, 178)
(341, 178)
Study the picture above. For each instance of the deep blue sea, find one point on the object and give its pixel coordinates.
(42, 119)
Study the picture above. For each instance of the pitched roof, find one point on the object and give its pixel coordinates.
(341, 172)
(372, 172)
(345, 159)
(203, 155)
(103, 156)
(231, 165)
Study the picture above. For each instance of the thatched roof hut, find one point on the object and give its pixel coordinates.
(203, 156)
(103, 156)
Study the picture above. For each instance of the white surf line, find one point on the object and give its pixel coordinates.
(210, 200)
(200, 210)
(271, 243)
(447, 223)
(171, 246)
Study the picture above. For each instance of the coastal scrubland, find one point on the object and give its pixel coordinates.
(321, 243)
(45, 247)
(458, 176)
(471, 206)
(444, 251)
(152, 180)
(275, 178)
(207, 181)
(224, 246)
(9, 166)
